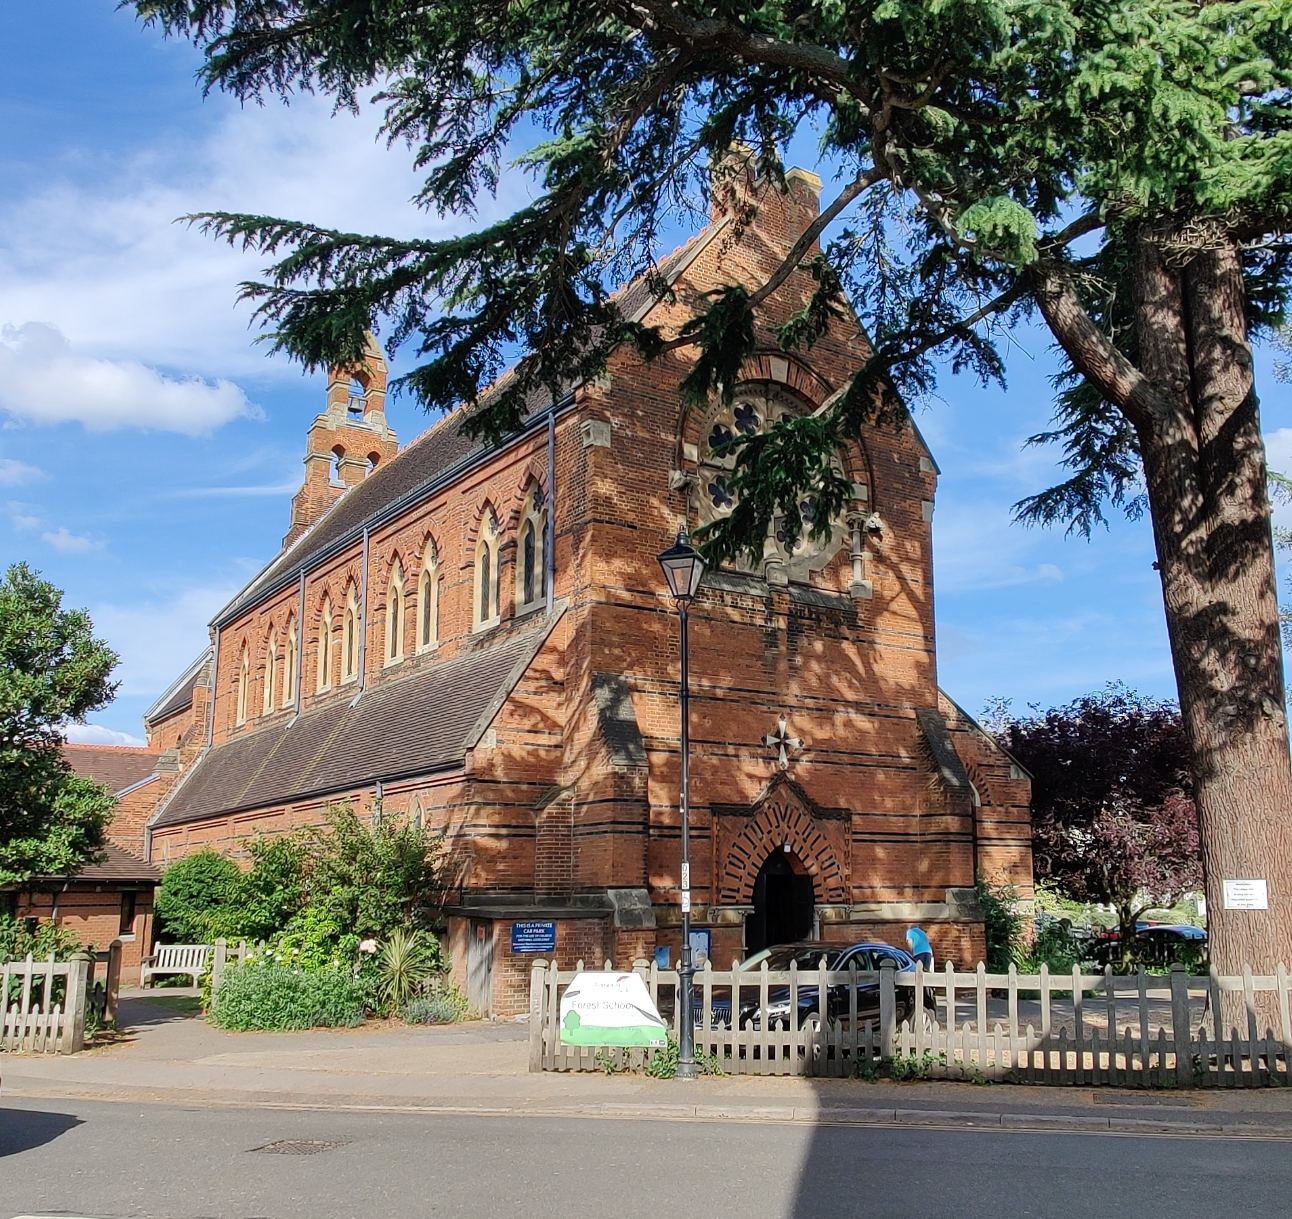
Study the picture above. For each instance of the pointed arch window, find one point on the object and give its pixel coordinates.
(268, 699)
(350, 638)
(487, 611)
(325, 646)
(289, 665)
(428, 600)
(395, 614)
(244, 680)
(531, 552)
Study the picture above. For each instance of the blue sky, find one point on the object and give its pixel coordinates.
(149, 449)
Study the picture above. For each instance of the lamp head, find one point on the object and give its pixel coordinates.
(683, 567)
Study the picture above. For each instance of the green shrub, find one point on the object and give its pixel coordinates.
(1003, 924)
(442, 1003)
(276, 997)
(374, 878)
(16, 941)
(273, 891)
(199, 898)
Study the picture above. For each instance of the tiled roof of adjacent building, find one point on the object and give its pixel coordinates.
(429, 460)
(416, 724)
(116, 867)
(117, 766)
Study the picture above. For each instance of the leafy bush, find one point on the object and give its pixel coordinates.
(1003, 924)
(1057, 946)
(375, 878)
(274, 997)
(16, 941)
(274, 890)
(199, 898)
(442, 1003)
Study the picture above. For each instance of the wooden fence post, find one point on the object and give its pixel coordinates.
(218, 958)
(536, 988)
(1181, 1033)
(887, 1008)
(112, 983)
(78, 969)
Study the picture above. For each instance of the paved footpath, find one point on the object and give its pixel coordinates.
(171, 1056)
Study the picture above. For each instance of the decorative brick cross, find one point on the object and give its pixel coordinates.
(782, 742)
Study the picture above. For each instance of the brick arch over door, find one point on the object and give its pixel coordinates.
(781, 819)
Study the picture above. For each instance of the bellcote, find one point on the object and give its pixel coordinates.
(348, 441)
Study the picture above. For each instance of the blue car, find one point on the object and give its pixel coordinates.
(866, 958)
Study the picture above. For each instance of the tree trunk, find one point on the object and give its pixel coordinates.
(1204, 463)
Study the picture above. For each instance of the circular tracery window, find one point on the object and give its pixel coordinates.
(756, 407)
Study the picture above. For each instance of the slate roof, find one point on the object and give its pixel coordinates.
(180, 695)
(117, 766)
(116, 867)
(413, 725)
(432, 458)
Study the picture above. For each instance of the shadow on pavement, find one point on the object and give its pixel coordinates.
(138, 1011)
(25, 1129)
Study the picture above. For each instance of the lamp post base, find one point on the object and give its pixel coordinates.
(685, 1018)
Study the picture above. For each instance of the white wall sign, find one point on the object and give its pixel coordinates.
(610, 1009)
(1246, 895)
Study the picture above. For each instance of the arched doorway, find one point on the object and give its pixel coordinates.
(784, 903)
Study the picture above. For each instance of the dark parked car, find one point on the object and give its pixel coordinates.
(1155, 944)
(838, 957)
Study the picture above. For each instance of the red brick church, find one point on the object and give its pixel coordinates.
(482, 639)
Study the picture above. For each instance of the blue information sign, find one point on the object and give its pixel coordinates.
(533, 937)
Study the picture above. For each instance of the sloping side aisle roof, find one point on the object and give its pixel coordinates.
(414, 725)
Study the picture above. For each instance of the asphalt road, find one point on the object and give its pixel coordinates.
(109, 1160)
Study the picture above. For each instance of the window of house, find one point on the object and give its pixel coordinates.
(244, 680)
(334, 470)
(350, 639)
(325, 646)
(486, 608)
(271, 674)
(395, 614)
(531, 557)
(289, 666)
(128, 905)
(428, 600)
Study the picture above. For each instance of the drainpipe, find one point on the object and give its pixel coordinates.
(550, 547)
(363, 619)
(300, 642)
(215, 672)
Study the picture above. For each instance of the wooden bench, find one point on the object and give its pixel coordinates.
(191, 959)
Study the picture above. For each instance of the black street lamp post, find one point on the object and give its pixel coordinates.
(684, 569)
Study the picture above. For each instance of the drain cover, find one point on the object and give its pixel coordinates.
(300, 1147)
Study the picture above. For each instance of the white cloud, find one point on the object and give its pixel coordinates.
(97, 734)
(23, 520)
(15, 473)
(157, 639)
(103, 259)
(67, 542)
(42, 379)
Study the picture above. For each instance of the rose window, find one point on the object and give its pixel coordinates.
(757, 407)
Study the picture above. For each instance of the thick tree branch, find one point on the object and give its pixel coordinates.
(1090, 350)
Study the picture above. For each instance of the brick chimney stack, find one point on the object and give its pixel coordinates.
(347, 442)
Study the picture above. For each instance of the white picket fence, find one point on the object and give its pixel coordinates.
(31, 1019)
(1090, 1029)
